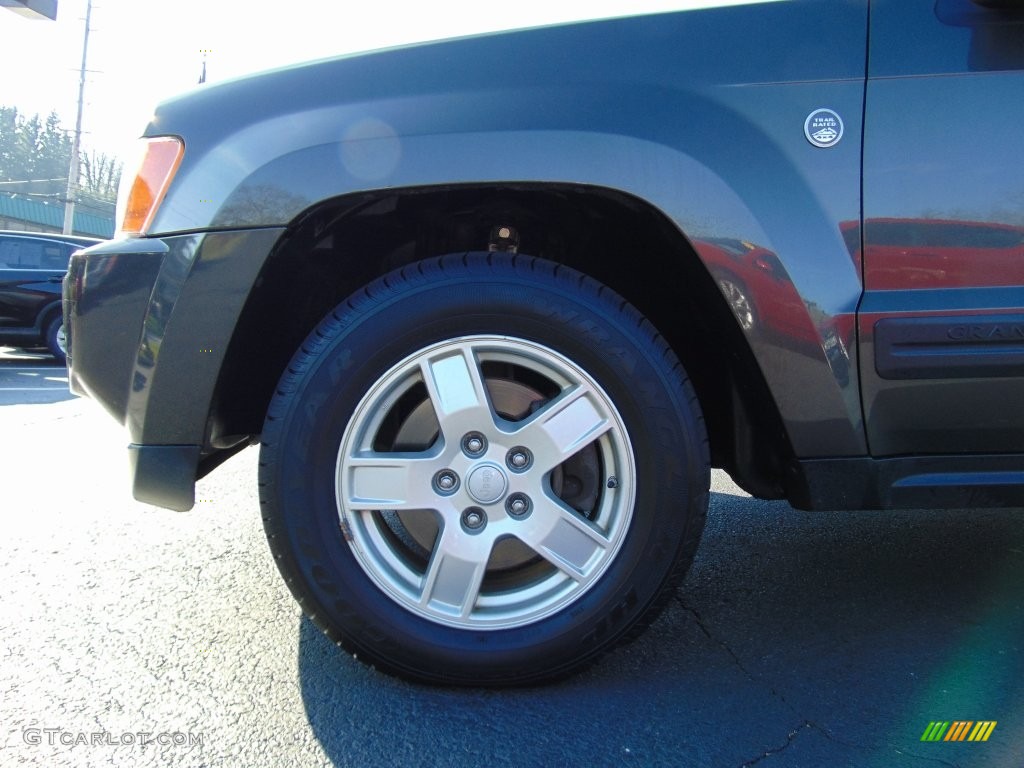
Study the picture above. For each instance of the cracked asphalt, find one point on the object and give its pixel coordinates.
(798, 639)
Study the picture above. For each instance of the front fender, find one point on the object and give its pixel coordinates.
(717, 147)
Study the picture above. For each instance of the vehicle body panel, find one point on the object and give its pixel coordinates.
(655, 110)
(132, 289)
(714, 142)
(942, 320)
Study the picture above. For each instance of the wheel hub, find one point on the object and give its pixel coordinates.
(487, 483)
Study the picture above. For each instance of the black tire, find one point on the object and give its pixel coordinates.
(532, 330)
(54, 335)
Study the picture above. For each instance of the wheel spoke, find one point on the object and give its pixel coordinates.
(389, 481)
(563, 538)
(564, 426)
(452, 582)
(457, 392)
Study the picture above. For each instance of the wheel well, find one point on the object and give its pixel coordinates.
(341, 245)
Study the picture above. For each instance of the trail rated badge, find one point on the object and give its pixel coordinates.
(823, 128)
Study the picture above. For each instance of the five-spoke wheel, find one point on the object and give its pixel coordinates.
(485, 482)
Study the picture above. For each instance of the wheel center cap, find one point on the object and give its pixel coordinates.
(487, 483)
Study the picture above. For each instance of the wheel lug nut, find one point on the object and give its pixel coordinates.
(473, 519)
(519, 459)
(446, 481)
(518, 505)
(474, 444)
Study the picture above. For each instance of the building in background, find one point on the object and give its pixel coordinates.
(25, 214)
(33, 9)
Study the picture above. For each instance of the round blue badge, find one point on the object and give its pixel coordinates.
(823, 128)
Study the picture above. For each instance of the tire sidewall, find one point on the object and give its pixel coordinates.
(52, 329)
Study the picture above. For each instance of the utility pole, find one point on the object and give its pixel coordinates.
(69, 198)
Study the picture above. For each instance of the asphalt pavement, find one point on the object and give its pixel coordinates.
(139, 636)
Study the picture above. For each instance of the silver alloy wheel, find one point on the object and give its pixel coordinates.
(62, 339)
(738, 303)
(485, 540)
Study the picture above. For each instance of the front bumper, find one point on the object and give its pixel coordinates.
(106, 295)
(149, 322)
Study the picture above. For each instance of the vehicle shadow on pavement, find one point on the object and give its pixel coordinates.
(807, 638)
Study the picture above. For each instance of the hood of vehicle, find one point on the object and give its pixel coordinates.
(758, 43)
(261, 149)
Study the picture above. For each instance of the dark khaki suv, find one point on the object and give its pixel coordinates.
(493, 307)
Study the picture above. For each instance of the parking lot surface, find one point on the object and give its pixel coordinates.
(138, 636)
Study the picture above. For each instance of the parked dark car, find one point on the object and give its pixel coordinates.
(32, 266)
(493, 307)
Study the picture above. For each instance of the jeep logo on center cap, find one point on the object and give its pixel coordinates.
(487, 483)
(823, 128)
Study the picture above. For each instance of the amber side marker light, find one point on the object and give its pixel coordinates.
(159, 161)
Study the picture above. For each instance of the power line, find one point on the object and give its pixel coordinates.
(33, 181)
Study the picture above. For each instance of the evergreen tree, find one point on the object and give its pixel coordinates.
(37, 152)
